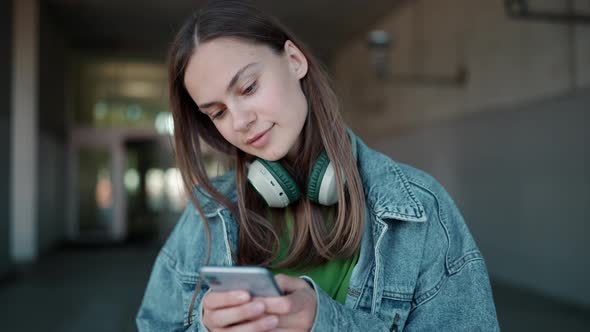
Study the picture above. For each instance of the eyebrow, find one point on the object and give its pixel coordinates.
(231, 84)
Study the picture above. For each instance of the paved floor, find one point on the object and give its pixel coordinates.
(78, 290)
(99, 289)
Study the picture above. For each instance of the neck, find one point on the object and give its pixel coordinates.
(294, 153)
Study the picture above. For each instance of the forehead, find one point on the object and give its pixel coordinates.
(214, 63)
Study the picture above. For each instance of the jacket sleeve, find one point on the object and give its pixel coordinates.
(465, 296)
(453, 288)
(333, 316)
(462, 303)
(162, 307)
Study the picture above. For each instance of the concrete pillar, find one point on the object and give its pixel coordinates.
(5, 116)
(24, 132)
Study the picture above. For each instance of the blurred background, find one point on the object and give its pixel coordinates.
(491, 97)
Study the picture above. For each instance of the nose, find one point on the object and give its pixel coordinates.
(243, 119)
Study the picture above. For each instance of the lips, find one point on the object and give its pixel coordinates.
(258, 136)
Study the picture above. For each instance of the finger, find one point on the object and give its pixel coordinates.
(233, 315)
(280, 305)
(296, 310)
(288, 304)
(218, 300)
(264, 323)
(290, 284)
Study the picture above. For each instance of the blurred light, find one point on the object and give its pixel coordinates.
(140, 89)
(104, 189)
(164, 123)
(134, 112)
(131, 180)
(379, 52)
(214, 168)
(154, 186)
(174, 189)
(154, 182)
(100, 110)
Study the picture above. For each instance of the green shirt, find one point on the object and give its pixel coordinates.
(332, 276)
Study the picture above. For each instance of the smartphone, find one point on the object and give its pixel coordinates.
(258, 281)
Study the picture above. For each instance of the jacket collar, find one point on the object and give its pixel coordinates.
(387, 190)
(226, 185)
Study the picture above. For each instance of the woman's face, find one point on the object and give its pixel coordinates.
(252, 94)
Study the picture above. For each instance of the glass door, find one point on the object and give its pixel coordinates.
(96, 201)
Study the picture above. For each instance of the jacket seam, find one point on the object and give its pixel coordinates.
(397, 296)
(458, 265)
(358, 292)
(168, 258)
(405, 179)
(394, 214)
(180, 275)
(416, 205)
(180, 279)
(189, 279)
(440, 214)
(453, 267)
(431, 293)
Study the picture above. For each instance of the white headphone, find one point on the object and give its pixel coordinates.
(278, 189)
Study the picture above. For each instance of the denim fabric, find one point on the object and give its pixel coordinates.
(419, 268)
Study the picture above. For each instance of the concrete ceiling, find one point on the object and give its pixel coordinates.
(146, 27)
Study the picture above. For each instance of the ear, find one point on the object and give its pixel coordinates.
(296, 58)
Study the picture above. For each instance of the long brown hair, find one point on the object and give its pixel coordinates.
(313, 239)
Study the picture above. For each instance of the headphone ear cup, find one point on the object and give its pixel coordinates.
(321, 186)
(352, 143)
(273, 183)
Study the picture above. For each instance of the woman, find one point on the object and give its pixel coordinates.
(358, 241)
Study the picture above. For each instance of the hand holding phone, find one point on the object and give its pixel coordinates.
(253, 306)
(231, 302)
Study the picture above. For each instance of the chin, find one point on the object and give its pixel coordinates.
(270, 152)
(271, 155)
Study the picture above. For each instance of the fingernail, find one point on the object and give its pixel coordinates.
(243, 296)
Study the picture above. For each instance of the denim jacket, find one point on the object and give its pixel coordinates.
(419, 268)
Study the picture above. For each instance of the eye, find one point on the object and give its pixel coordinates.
(217, 114)
(250, 89)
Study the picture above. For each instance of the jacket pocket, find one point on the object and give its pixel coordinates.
(188, 284)
(394, 308)
(395, 312)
